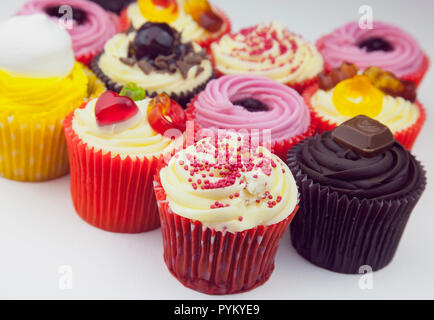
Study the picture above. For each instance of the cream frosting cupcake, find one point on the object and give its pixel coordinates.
(184, 23)
(343, 94)
(224, 191)
(269, 50)
(177, 67)
(114, 152)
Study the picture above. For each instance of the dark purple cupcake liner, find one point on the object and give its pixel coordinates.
(343, 234)
(183, 98)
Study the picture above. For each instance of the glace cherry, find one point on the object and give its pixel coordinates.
(252, 105)
(78, 15)
(152, 40)
(375, 44)
(112, 108)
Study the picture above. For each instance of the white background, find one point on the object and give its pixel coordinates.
(39, 230)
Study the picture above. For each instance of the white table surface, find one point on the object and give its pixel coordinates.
(40, 232)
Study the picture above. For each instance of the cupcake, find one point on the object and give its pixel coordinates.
(224, 205)
(269, 50)
(385, 46)
(156, 59)
(358, 188)
(115, 144)
(254, 104)
(196, 19)
(115, 6)
(344, 93)
(40, 84)
(90, 28)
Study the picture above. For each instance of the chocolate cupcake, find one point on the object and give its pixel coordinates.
(358, 188)
(157, 59)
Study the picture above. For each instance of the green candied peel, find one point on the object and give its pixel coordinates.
(133, 91)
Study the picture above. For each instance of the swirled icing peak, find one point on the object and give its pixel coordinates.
(229, 184)
(388, 175)
(269, 50)
(222, 105)
(91, 27)
(35, 47)
(384, 46)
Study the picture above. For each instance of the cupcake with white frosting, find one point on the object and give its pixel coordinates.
(346, 92)
(40, 84)
(226, 200)
(114, 148)
(158, 60)
(269, 50)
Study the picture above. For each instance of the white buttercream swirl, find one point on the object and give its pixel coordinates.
(269, 50)
(237, 208)
(397, 113)
(137, 139)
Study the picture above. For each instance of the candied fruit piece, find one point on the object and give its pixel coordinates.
(328, 80)
(202, 12)
(357, 96)
(159, 10)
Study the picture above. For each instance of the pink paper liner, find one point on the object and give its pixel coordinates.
(108, 192)
(406, 137)
(205, 43)
(279, 148)
(216, 262)
(416, 76)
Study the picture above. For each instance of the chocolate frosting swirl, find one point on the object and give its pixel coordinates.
(389, 175)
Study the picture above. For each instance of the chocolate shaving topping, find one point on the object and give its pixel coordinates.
(199, 70)
(128, 61)
(365, 136)
(181, 58)
(145, 66)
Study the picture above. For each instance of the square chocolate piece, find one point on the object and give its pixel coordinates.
(365, 136)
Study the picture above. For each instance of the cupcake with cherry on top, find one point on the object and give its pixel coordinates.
(115, 143)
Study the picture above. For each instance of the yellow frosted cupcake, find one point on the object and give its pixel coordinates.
(40, 84)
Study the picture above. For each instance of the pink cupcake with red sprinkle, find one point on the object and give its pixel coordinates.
(226, 200)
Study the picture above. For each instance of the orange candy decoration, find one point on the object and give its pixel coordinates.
(164, 115)
(159, 10)
(201, 12)
(357, 96)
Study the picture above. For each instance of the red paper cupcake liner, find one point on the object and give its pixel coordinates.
(205, 43)
(406, 137)
(215, 262)
(416, 76)
(124, 20)
(279, 148)
(108, 192)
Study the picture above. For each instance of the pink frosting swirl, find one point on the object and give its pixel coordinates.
(91, 36)
(342, 45)
(287, 117)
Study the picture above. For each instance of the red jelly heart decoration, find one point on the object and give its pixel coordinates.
(112, 108)
(165, 114)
